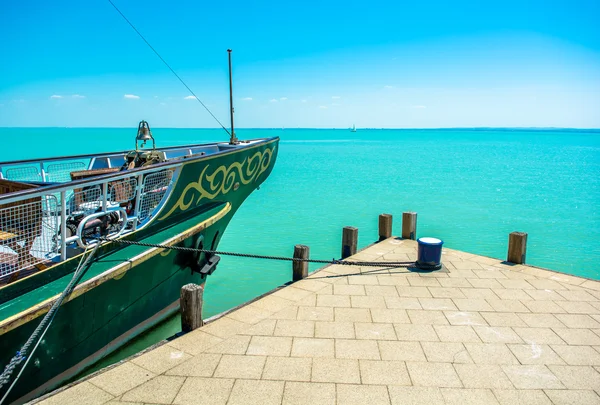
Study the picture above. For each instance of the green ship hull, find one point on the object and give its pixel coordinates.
(128, 288)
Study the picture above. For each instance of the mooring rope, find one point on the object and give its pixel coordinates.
(45, 325)
(267, 257)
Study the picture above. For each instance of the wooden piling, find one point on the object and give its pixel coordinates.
(385, 226)
(300, 268)
(191, 307)
(517, 247)
(349, 241)
(409, 225)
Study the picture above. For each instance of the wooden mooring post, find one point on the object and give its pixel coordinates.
(409, 225)
(517, 247)
(300, 268)
(385, 226)
(191, 307)
(349, 241)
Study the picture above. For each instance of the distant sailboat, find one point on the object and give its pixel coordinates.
(353, 128)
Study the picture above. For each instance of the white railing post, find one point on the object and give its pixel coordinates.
(104, 196)
(43, 172)
(138, 198)
(63, 225)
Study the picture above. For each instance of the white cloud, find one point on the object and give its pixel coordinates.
(189, 98)
(163, 103)
(388, 87)
(131, 96)
(335, 97)
(247, 99)
(419, 106)
(324, 107)
(304, 100)
(77, 96)
(56, 96)
(273, 100)
(155, 96)
(283, 98)
(334, 104)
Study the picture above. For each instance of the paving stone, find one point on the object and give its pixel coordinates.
(249, 392)
(295, 328)
(471, 396)
(479, 293)
(313, 347)
(237, 344)
(578, 336)
(311, 285)
(503, 319)
(419, 333)
(384, 372)
(482, 376)
(437, 303)
(337, 301)
(454, 283)
(83, 392)
(413, 292)
(423, 282)
(385, 279)
(287, 369)
(374, 331)
(291, 293)
(299, 393)
(578, 321)
(161, 359)
(578, 295)
(433, 374)
(546, 284)
(202, 365)
(263, 328)
(381, 290)
(402, 303)
(573, 397)
(194, 343)
(485, 283)
(369, 301)
(541, 320)
(543, 307)
(356, 349)
(385, 315)
(456, 333)
(224, 327)
(507, 306)
(249, 314)
(234, 366)
(363, 280)
(315, 314)
(490, 353)
(577, 377)
(271, 303)
(443, 352)
(352, 315)
(422, 317)
(497, 334)
(575, 307)
(529, 397)
(269, 346)
(532, 377)
(464, 318)
(289, 313)
(160, 390)
(347, 289)
(352, 394)
(446, 292)
(404, 351)
(415, 395)
(578, 355)
(336, 371)
(544, 295)
(538, 335)
(516, 284)
(342, 330)
(199, 391)
(122, 378)
(535, 354)
(471, 304)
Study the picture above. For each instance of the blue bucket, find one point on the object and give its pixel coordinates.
(429, 255)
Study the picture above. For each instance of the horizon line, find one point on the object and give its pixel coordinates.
(315, 128)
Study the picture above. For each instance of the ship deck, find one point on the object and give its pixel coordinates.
(479, 331)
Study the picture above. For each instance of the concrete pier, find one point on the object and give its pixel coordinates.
(476, 332)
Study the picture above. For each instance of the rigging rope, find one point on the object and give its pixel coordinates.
(167, 65)
(253, 256)
(45, 325)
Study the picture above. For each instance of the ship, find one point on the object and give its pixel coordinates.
(93, 247)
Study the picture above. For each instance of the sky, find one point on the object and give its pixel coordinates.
(310, 64)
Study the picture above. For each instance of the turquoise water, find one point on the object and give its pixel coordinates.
(470, 188)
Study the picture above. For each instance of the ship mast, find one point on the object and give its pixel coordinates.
(233, 140)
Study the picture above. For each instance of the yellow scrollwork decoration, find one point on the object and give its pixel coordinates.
(222, 180)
